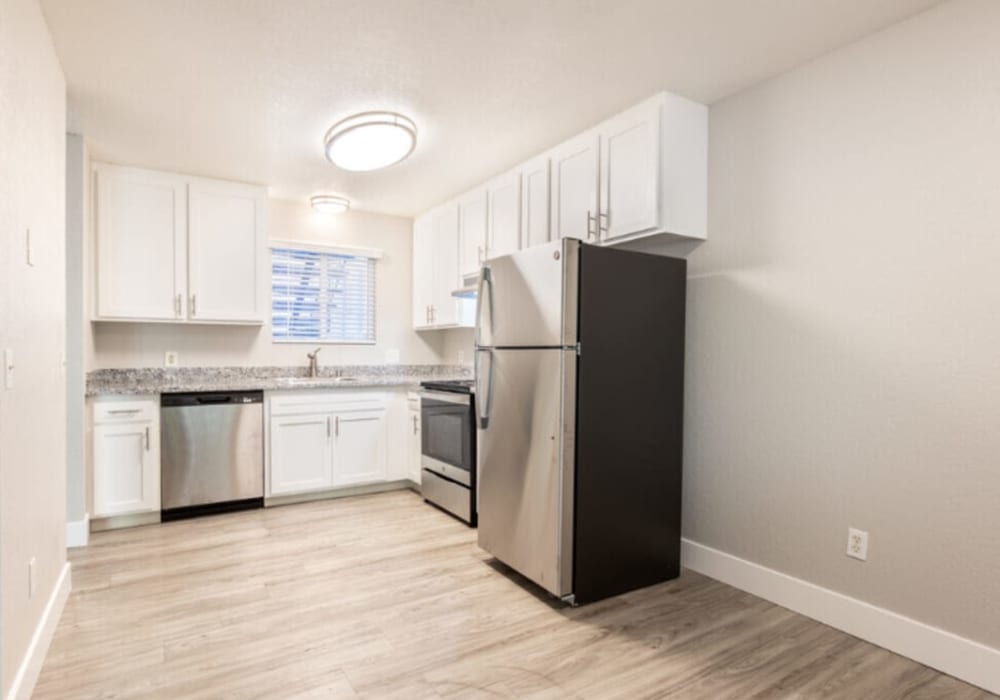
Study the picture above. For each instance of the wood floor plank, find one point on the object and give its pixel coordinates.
(383, 596)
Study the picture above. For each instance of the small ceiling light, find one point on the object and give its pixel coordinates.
(329, 204)
(370, 140)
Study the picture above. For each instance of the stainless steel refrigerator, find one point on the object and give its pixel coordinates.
(579, 391)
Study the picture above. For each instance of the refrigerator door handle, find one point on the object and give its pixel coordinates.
(484, 399)
(485, 279)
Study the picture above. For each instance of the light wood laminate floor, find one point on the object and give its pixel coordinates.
(384, 597)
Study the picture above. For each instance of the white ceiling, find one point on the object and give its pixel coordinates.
(245, 89)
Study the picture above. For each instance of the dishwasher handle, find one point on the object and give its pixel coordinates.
(212, 398)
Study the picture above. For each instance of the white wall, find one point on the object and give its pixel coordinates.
(844, 323)
(32, 322)
(77, 210)
(143, 345)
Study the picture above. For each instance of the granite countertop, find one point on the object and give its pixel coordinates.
(111, 382)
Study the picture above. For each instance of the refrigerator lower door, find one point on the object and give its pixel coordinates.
(526, 462)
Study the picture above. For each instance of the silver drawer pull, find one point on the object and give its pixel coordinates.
(123, 411)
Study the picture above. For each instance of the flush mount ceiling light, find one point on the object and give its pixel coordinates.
(329, 204)
(370, 140)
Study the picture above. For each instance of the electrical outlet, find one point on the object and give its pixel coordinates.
(31, 578)
(857, 544)
(392, 356)
(171, 359)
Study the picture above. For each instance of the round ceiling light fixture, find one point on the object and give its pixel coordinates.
(329, 204)
(370, 140)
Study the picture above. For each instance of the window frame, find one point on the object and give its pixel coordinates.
(372, 254)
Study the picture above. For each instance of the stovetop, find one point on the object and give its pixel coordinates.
(458, 386)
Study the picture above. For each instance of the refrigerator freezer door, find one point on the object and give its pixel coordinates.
(529, 298)
(526, 464)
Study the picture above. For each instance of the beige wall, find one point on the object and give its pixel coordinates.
(844, 323)
(143, 345)
(32, 322)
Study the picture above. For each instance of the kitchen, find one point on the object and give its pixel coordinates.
(578, 387)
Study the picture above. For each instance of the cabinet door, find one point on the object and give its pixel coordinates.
(227, 234)
(141, 235)
(504, 198)
(126, 469)
(630, 172)
(471, 233)
(301, 457)
(413, 442)
(423, 271)
(359, 447)
(535, 202)
(574, 188)
(444, 308)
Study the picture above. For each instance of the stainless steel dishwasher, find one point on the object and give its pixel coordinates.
(212, 453)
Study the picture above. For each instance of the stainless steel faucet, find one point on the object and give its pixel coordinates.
(314, 362)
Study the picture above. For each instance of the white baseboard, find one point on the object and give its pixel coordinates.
(34, 657)
(78, 532)
(957, 656)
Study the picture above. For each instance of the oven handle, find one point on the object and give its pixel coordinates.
(484, 399)
(449, 397)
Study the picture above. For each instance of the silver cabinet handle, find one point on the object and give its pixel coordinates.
(591, 219)
(194, 300)
(432, 314)
(607, 222)
(328, 426)
(147, 438)
(124, 411)
(177, 305)
(414, 425)
(336, 426)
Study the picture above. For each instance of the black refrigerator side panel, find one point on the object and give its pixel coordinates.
(630, 389)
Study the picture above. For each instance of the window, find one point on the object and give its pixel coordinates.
(322, 295)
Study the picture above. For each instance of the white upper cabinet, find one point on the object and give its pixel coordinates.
(630, 172)
(444, 307)
(472, 241)
(504, 221)
(654, 171)
(436, 271)
(423, 271)
(141, 244)
(574, 188)
(534, 177)
(227, 230)
(178, 249)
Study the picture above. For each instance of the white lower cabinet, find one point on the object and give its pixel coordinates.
(320, 440)
(359, 447)
(126, 457)
(301, 454)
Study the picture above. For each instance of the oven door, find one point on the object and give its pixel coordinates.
(446, 435)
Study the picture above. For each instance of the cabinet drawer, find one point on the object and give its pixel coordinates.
(320, 401)
(111, 411)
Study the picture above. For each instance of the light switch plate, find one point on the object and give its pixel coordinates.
(8, 368)
(171, 358)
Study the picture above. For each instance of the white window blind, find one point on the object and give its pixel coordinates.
(322, 296)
